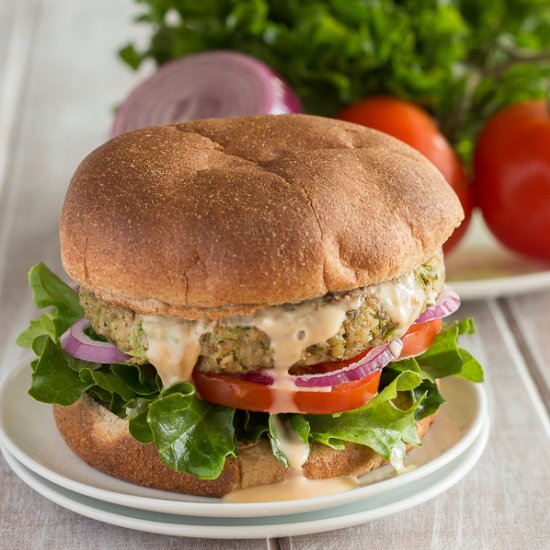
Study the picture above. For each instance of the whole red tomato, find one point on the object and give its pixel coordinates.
(512, 177)
(414, 126)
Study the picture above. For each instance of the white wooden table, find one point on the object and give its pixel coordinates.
(59, 80)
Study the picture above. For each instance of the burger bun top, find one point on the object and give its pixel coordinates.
(223, 216)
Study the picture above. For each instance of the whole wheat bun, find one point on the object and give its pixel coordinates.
(101, 439)
(223, 216)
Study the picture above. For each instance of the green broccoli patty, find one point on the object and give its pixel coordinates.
(228, 348)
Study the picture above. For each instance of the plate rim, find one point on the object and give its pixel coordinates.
(448, 476)
(220, 509)
(478, 289)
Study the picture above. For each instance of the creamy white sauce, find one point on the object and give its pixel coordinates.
(396, 346)
(173, 346)
(293, 488)
(290, 444)
(397, 458)
(283, 401)
(295, 485)
(403, 300)
(292, 329)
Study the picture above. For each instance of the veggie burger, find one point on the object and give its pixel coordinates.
(243, 283)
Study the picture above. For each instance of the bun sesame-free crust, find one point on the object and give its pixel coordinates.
(223, 216)
(101, 439)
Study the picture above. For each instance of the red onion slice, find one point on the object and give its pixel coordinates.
(206, 85)
(375, 359)
(447, 303)
(76, 343)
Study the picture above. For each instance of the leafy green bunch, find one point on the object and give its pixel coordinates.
(195, 436)
(462, 60)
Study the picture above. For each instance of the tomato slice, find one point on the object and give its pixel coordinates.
(231, 391)
(420, 337)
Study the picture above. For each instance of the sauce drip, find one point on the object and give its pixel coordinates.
(295, 485)
(293, 328)
(403, 300)
(174, 346)
(293, 488)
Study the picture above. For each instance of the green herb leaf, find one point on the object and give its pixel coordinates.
(462, 61)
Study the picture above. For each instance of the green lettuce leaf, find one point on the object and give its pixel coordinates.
(429, 399)
(52, 379)
(50, 291)
(137, 410)
(380, 424)
(446, 358)
(191, 435)
(250, 426)
(196, 437)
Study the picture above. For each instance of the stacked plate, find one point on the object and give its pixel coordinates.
(37, 454)
(482, 268)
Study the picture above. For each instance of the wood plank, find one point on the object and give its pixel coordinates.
(502, 503)
(28, 522)
(529, 316)
(17, 25)
(75, 81)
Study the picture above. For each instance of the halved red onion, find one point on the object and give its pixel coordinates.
(76, 343)
(375, 359)
(447, 303)
(206, 85)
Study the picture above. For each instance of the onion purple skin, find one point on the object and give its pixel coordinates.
(377, 358)
(212, 84)
(77, 344)
(447, 303)
(258, 377)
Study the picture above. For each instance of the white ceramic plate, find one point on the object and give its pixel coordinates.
(482, 268)
(28, 431)
(355, 513)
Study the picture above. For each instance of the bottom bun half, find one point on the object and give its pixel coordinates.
(102, 440)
